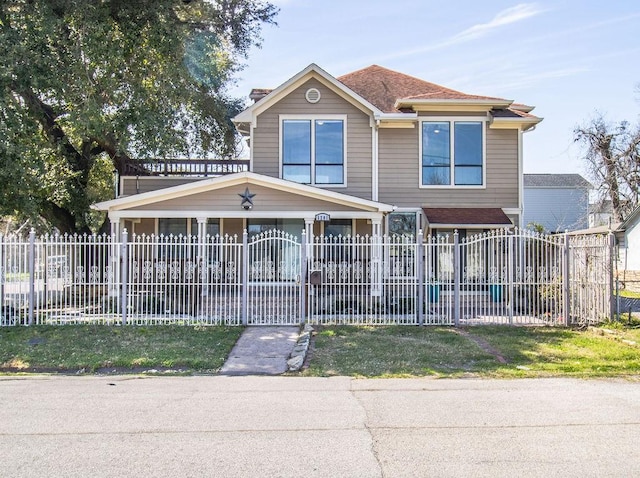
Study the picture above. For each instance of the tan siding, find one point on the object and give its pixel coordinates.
(400, 175)
(233, 226)
(265, 199)
(145, 226)
(131, 185)
(266, 158)
(363, 227)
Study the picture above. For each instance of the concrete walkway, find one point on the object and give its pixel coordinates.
(261, 351)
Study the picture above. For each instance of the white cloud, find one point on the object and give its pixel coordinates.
(503, 18)
(508, 16)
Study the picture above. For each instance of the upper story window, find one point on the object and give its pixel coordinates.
(313, 150)
(452, 153)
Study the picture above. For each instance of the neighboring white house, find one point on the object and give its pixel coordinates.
(628, 238)
(557, 202)
(600, 213)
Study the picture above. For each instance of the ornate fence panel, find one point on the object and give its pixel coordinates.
(57, 280)
(512, 277)
(184, 279)
(589, 274)
(363, 280)
(499, 277)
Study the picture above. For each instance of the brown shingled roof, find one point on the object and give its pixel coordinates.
(489, 216)
(383, 87)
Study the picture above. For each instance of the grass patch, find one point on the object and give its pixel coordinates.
(394, 351)
(629, 294)
(95, 347)
(444, 352)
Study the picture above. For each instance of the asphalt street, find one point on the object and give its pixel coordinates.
(249, 426)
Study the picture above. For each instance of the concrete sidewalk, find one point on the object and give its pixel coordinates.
(261, 351)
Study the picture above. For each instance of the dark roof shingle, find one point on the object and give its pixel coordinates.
(383, 87)
(489, 216)
(574, 181)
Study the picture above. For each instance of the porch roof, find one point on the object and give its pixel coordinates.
(467, 217)
(167, 202)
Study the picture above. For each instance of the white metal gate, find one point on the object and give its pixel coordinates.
(272, 291)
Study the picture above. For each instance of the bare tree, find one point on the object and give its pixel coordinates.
(612, 152)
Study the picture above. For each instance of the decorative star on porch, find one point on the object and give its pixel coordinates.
(247, 199)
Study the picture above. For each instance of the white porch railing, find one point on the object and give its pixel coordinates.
(502, 277)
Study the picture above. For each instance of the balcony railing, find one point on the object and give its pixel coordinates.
(186, 167)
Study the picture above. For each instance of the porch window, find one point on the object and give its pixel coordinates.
(313, 151)
(175, 226)
(452, 153)
(338, 227)
(180, 226)
(293, 227)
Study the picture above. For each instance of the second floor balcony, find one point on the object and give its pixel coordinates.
(186, 167)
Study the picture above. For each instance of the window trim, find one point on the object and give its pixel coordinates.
(313, 118)
(452, 120)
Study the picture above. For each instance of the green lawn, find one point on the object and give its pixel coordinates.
(95, 347)
(477, 351)
(391, 351)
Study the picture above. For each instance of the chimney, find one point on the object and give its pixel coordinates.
(258, 93)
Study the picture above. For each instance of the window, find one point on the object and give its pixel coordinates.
(175, 226)
(180, 226)
(313, 151)
(452, 153)
(338, 227)
(402, 224)
(294, 227)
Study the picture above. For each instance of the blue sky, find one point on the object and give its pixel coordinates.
(568, 58)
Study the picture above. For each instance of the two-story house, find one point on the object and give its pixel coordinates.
(370, 152)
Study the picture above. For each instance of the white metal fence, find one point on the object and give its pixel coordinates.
(499, 277)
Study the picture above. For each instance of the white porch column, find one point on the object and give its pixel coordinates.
(376, 257)
(308, 229)
(202, 261)
(114, 258)
(115, 226)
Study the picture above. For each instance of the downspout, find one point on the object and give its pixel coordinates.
(374, 160)
(520, 179)
(521, 175)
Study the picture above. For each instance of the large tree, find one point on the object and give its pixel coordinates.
(87, 86)
(612, 153)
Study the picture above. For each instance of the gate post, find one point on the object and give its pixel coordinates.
(566, 301)
(612, 244)
(245, 277)
(456, 278)
(303, 277)
(124, 270)
(511, 273)
(32, 271)
(420, 272)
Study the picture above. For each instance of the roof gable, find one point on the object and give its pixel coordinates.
(244, 178)
(312, 71)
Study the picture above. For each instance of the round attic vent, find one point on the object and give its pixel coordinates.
(312, 95)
